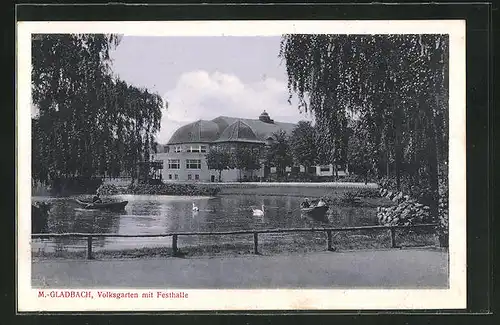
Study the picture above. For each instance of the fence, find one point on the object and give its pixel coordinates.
(255, 233)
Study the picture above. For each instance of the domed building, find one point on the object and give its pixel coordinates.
(184, 155)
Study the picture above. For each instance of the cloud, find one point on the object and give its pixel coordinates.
(202, 95)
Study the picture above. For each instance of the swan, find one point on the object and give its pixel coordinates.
(257, 212)
(195, 208)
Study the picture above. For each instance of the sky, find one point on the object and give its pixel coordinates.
(205, 77)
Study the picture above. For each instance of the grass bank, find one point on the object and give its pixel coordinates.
(289, 244)
(313, 190)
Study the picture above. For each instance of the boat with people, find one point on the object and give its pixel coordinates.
(115, 206)
(316, 211)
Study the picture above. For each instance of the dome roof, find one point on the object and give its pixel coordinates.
(264, 117)
(238, 131)
(199, 131)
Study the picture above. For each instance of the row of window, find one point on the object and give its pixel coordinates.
(190, 177)
(190, 163)
(193, 148)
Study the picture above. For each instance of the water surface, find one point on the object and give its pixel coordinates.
(151, 214)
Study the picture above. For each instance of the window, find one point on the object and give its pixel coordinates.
(177, 149)
(176, 176)
(197, 177)
(174, 164)
(166, 149)
(190, 177)
(324, 169)
(169, 176)
(193, 164)
(197, 148)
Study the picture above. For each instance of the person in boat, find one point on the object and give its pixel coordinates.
(96, 198)
(321, 203)
(305, 204)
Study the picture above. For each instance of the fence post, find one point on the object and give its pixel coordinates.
(89, 247)
(393, 237)
(174, 245)
(329, 240)
(255, 242)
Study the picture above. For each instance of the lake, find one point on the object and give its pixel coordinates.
(147, 214)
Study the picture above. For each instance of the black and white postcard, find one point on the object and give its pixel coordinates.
(241, 165)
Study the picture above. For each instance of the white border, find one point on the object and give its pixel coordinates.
(452, 298)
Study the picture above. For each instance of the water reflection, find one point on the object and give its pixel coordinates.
(161, 214)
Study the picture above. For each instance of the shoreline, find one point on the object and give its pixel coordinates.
(315, 190)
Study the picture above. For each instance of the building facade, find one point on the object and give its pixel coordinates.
(183, 158)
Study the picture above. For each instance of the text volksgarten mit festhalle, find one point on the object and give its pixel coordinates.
(85, 294)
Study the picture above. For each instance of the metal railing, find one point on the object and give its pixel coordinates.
(255, 232)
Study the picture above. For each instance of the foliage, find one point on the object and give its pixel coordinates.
(245, 158)
(279, 153)
(218, 159)
(303, 144)
(88, 122)
(360, 151)
(107, 189)
(173, 189)
(394, 85)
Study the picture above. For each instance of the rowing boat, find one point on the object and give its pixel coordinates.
(315, 211)
(115, 206)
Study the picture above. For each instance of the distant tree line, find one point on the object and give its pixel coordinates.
(88, 122)
(379, 101)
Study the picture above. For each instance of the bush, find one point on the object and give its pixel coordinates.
(107, 189)
(174, 189)
(420, 193)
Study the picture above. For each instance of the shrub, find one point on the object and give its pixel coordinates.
(174, 189)
(107, 189)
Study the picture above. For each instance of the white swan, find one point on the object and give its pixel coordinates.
(257, 212)
(195, 208)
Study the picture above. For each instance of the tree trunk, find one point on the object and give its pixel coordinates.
(398, 150)
(386, 158)
(432, 161)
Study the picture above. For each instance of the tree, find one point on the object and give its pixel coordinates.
(218, 159)
(395, 84)
(303, 144)
(360, 150)
(245, 158)
(88, 122)
(279, 152)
